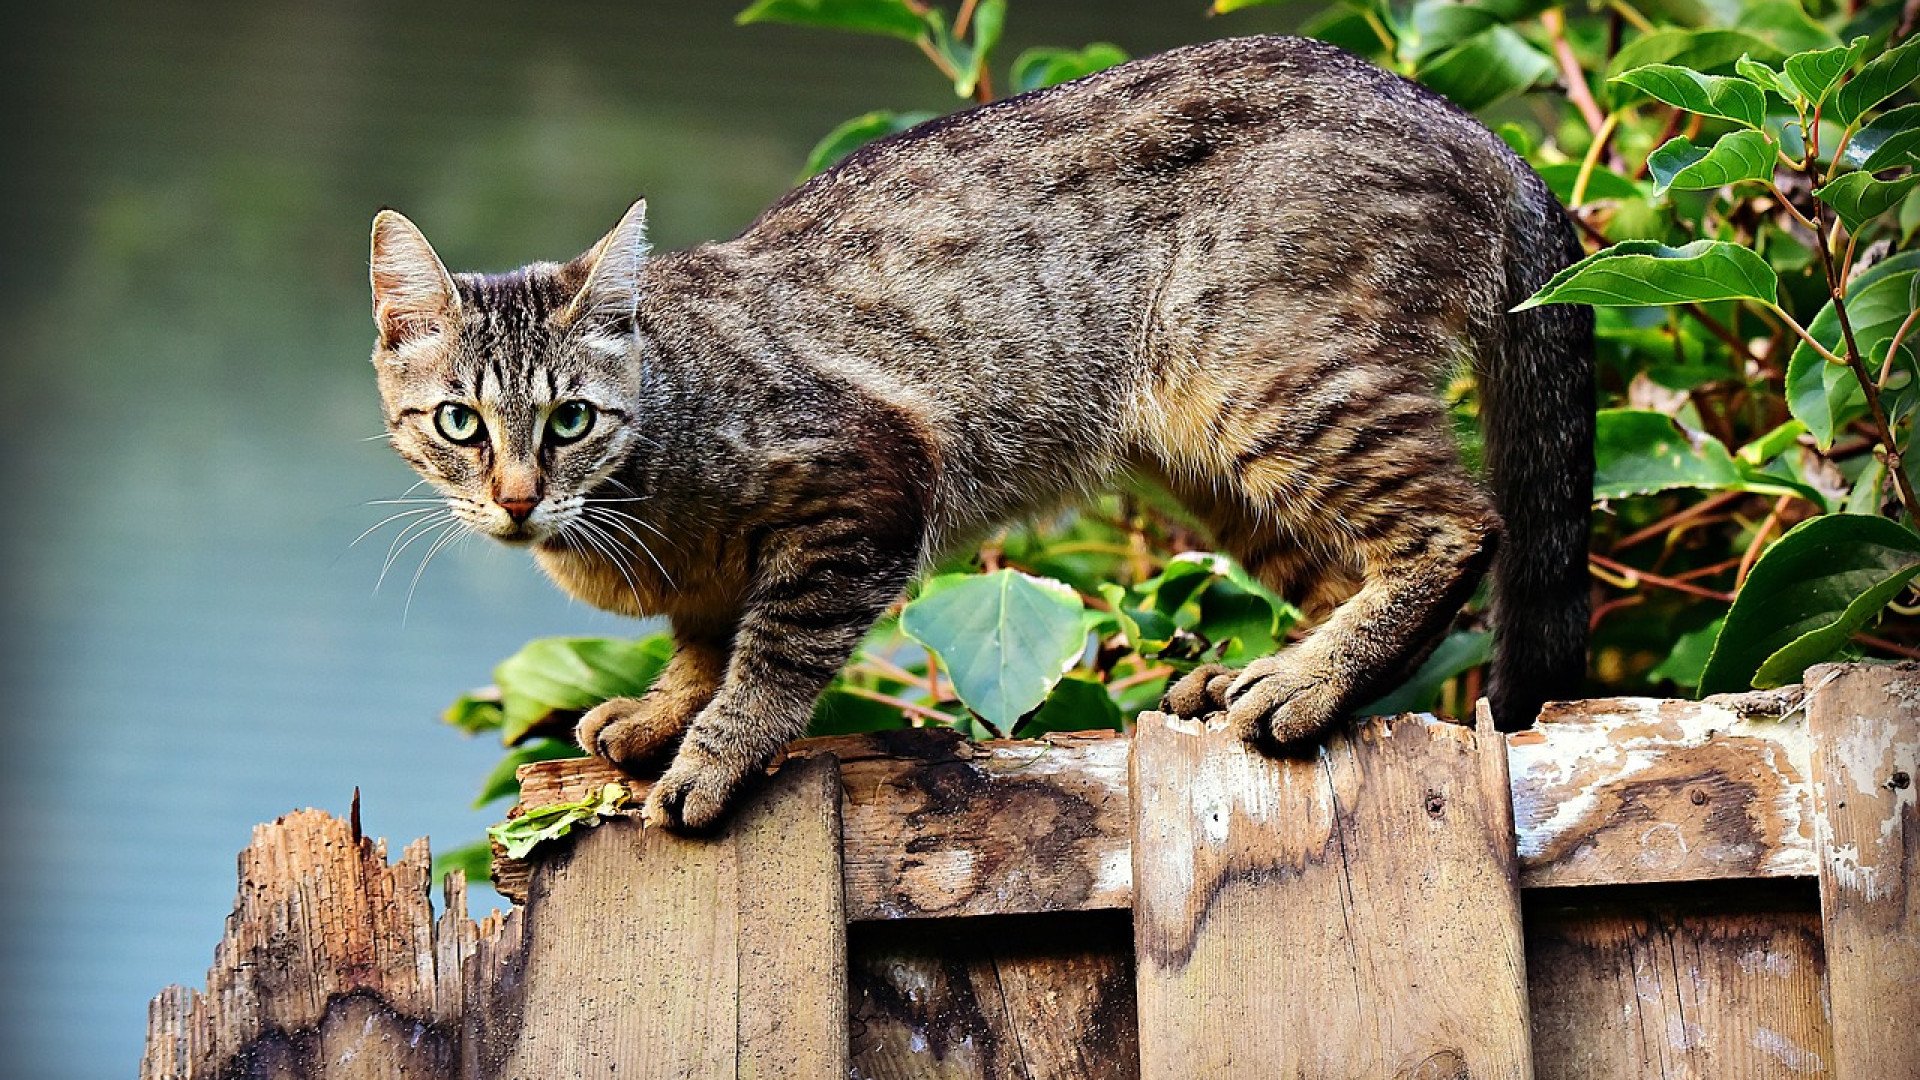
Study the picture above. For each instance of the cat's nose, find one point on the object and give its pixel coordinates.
(518, 507)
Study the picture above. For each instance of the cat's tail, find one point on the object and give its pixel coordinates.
(1537, 405)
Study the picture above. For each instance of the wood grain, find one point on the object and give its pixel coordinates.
(938, 827)
(655, 956)
(328, 967)
(1650, 988)
(1866, 793)
(1641, 790)
(1022, 998)
(1356, 914)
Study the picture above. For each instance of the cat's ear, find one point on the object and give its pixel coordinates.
(612, 269)
(413, 295)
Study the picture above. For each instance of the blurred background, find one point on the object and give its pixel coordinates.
(192, 647)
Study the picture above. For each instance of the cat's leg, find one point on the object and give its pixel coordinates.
(634, 731)
(1385, 500)
(820, 588)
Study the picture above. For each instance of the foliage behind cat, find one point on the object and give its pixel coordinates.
(1241, 269)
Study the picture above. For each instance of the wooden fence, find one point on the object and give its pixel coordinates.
(1632, 888)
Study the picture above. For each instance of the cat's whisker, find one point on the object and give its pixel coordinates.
(618, 515)
(433, 500)
(377, 438)
(638, 543)
(390, 517)
(454, 531)
(396, 549)
(589, 531)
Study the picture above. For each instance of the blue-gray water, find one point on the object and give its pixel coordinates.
(191, 647)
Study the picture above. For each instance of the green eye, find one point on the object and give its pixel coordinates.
(459, 424)
(569, 421)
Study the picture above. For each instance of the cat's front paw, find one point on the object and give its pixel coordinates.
(1276, 706)
(695, 792)
(631, 731)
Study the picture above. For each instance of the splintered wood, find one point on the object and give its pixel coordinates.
(1374, 881)
(1866, 791)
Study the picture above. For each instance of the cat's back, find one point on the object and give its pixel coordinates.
(1132, 132)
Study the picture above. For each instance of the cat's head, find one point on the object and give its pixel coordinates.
(514, 393)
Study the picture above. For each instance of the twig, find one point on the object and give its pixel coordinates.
(1893, 347)
(1760, 536)
(1578, 91)
(902, 704)
(1634, 577)
(1666, 523)
(1895, 648)
(1592, 160)
(1145, 674)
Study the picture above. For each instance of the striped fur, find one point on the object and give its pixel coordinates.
(1242, 269)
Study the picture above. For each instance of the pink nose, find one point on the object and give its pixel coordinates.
(518, 508)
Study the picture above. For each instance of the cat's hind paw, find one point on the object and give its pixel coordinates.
(630, 731)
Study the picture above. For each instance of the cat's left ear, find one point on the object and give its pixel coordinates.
(413, 295)
(612, 268)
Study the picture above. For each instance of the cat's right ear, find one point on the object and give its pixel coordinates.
(413, 295)
(611, 270)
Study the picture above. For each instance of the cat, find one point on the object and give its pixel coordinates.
(1241, 269)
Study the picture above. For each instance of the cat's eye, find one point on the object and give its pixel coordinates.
(458, 424)
(569, 421)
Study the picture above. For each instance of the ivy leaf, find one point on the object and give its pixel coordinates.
(476, 712)
(475, 860)
(1883, 77)
(1643, 273)
(1602, 182)
(891, 18)
(1005, 638)
(1808, 593)
(1889, 140)
(1736, 99)
(1701, 50)
(1858, 197)
(1741, 155)
(566, 675)
(520, 835)
(1688, 660)
(856, 133)
(1764, 76)
(1638, 452)
(1488, 67)
(1814, 73)
(1037, 68)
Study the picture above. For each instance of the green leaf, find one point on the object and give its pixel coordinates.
(475, 860)
(1037, 68)
(520, 835)
(1815, 73)
(1701, 50)
(1006, 638)
(1805, 597)
(1456, 653)
(1825, 395)
(504, 780)
(1688, 660)
(1642, 273)
(989, 21)
(1786, 24)
(892, 18)
(1488, 67)
(1147, 631)
(1729, 98)
(564, 675)
(1741, 155)
(1890, 140)
(1638, 452)
(856, 133)
(1773, 443)
(1883, 77)
(1242, 621)
(1602, 182)
(1222, 7)
(1076, 704)
(1764, 76)
(1859, 197)
(476, 712)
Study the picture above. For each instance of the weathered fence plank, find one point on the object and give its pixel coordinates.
(661, 957)
(1650, 989)
(327, 968)
(1642, 790)
(1375, 883)
(1865, 725)
(1024, 998)
(939, 827)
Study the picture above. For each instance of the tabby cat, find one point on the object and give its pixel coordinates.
(1242, 270)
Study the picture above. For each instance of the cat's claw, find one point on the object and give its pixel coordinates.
(1276, 707)
(628, 731)
(694, 793)
(1200, 692)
